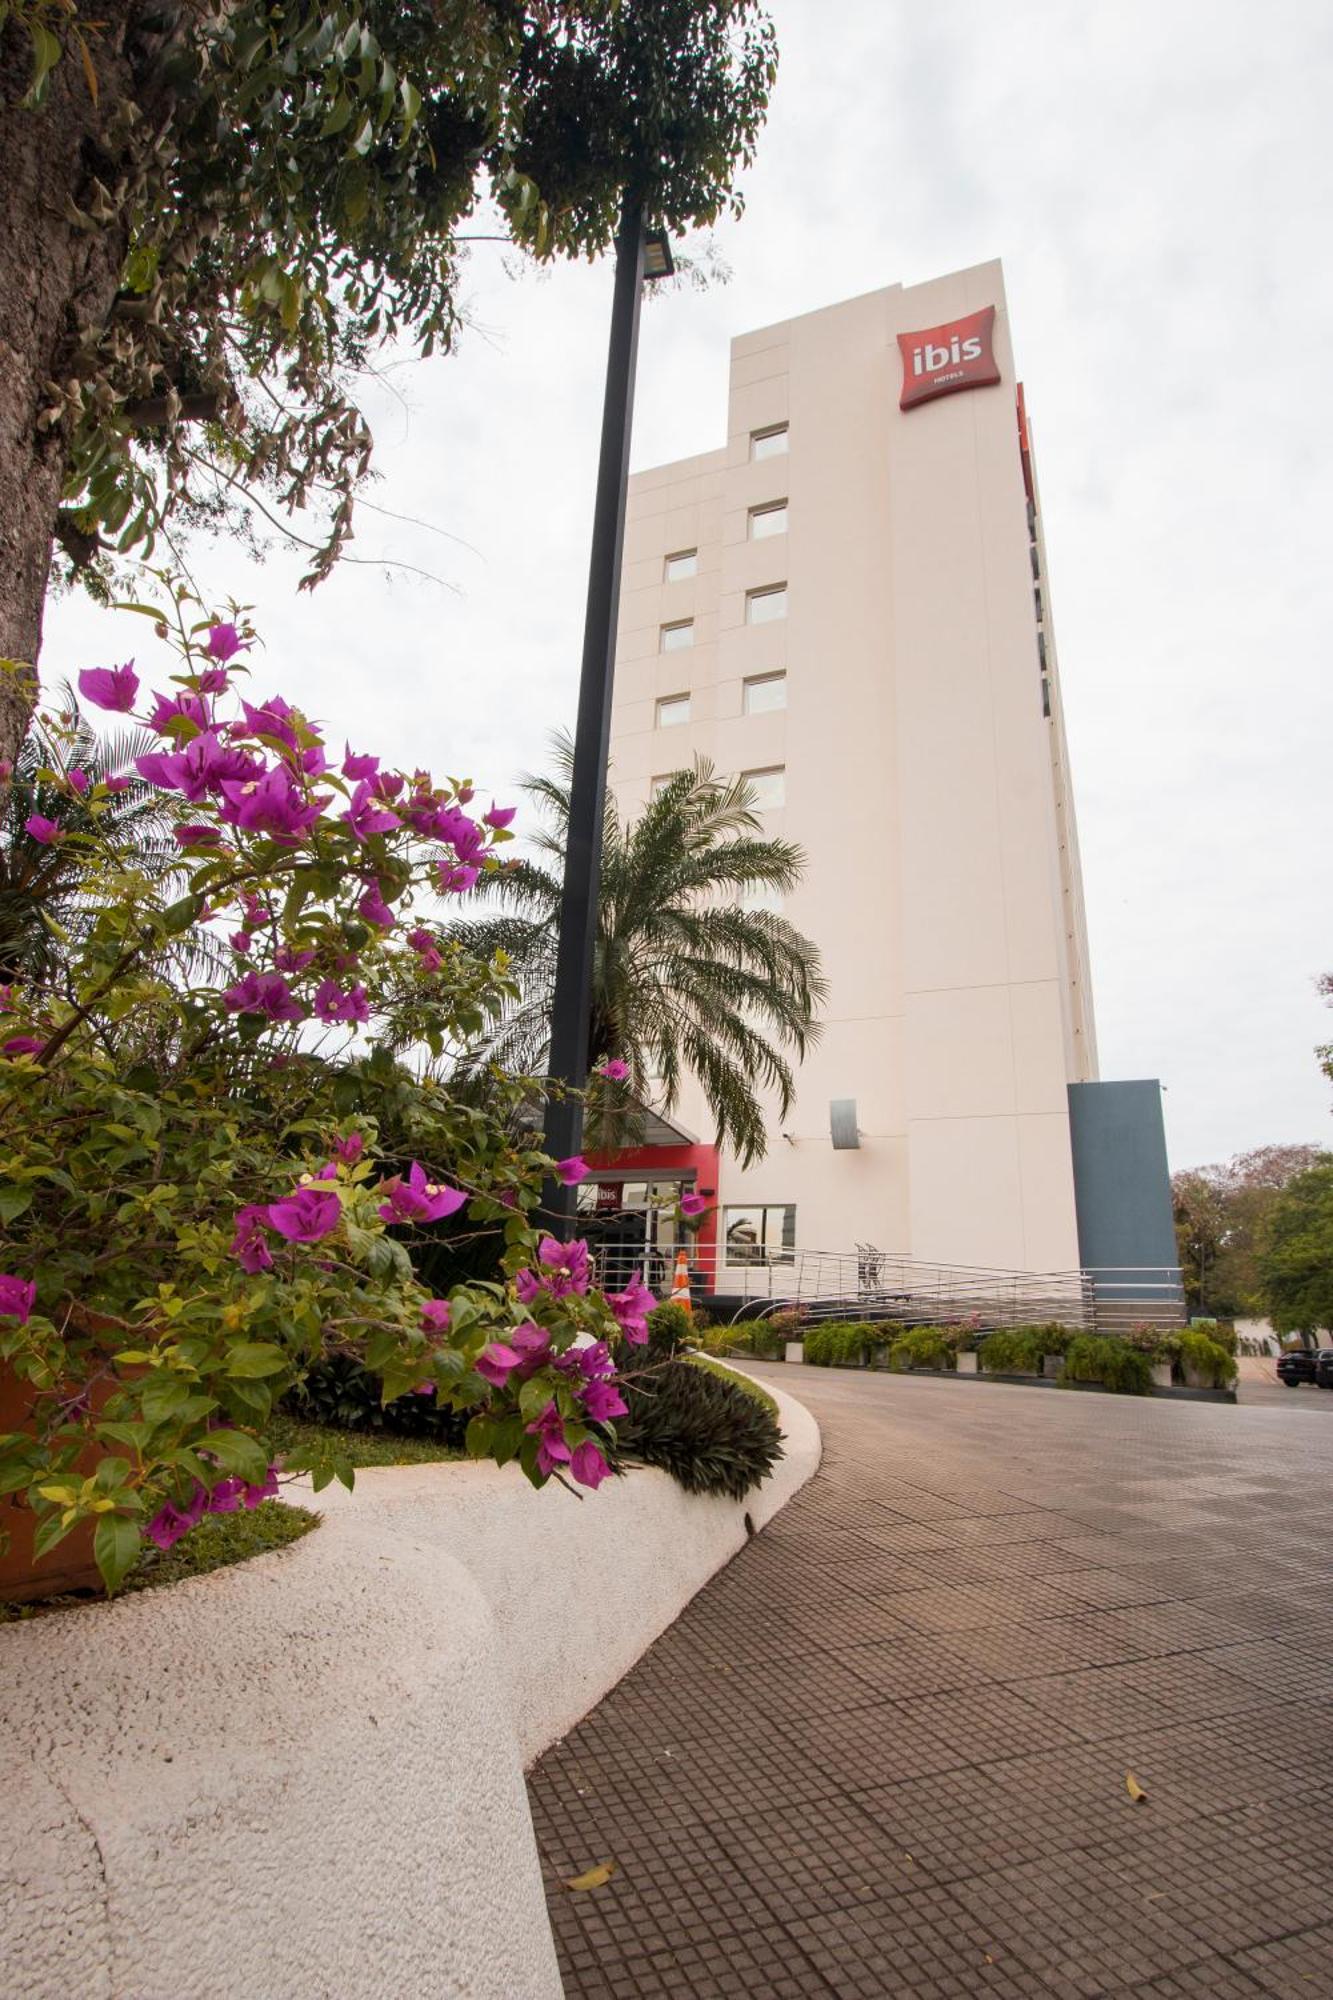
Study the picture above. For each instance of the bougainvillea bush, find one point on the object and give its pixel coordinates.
(195, 1203)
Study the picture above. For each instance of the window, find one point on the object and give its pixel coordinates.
(678, 567)
(762, 896)
(769, 787)
(771, 442)
(658, 785)
(763, 606)
(674, 638)
(764, 693)
(766, 521)
(672, 709)
(761, 1235)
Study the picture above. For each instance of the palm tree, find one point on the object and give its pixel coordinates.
(686, 981)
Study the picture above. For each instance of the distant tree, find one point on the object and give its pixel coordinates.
(215, 211)
(1324, 1054)
(686, 980)
(1220, 1215)
(1296, 1254)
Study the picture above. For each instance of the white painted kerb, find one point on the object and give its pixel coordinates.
(302, 1778)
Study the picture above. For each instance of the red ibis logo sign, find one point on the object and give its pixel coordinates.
(940, 359)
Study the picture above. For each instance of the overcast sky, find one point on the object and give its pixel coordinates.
(1158, 180)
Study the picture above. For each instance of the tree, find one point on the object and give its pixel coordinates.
(1296, 1254)
(216, 210)
(685, 980)
(1220, 1213)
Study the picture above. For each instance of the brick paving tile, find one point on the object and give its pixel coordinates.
(884, 1752)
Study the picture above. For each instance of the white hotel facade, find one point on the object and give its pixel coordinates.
(848, 603)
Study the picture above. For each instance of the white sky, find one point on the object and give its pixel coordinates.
(1158, 180)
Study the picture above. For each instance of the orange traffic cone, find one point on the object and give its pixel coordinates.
(680, 1283)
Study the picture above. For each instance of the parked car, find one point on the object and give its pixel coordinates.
(1323, 1368)
(1297, 1366)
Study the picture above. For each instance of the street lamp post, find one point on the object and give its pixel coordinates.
(638, 256)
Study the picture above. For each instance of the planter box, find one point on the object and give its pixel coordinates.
(1053, 1367)
(794, 1351)
(967, 1364)
(1161, 1374)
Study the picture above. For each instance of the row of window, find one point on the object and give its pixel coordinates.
(762, 607)
(759, 696)
(765, 521)
(769, 786)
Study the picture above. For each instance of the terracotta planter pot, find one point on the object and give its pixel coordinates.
(69, 1565)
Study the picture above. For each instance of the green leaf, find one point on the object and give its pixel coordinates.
(162, 1396)
(479, 1437)
(235, 1451)
(178, 916)
(250, 1358)
(411, 97)
(338, 116)
(115, 1548)
(13, 1202)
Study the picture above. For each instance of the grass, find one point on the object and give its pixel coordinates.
(753, 1389)
(358, 1447)
(219, 1540)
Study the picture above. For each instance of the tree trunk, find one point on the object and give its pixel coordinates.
(58, 282)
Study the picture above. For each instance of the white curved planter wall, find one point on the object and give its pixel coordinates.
(302, 1778)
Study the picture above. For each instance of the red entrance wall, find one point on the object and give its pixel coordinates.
(655, 1162)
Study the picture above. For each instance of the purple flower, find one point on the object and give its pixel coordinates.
(631, 1308)
(226, 1496)
(374, 909)
(417, 1199)
(249, 1246)
(614, 1071)
(116, 688)
(549, 1430)
(256, 1495)
(205, 765)
(78, 782)
(272, 804)
(196, 834)
(565, 1265)
(357, 767)
(17, 1297)
(264, 993)
(332, 1004)
(388, 784)
(693, 1204)
(118, 784)
(602, 1401)
(44, 831)
(500, 816)
(305, 1216)
(22, 1045)
(571, 1171)
(496, 1363)
(423, 944)
(350, 1149)
(288, 959)
(167, 1526)
(223, 642)
(454, 878)
(435, 1316)
(174, 708)
(240, 941)
(422, 1389)
(588, 1465)
(527, 1349)
(271, 720)
(365, 817)
(213, 680)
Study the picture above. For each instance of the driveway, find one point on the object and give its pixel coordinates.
(885, 1751)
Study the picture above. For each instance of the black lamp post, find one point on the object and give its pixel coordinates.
(640, 255)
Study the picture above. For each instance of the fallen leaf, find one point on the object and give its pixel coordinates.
(1134, 1788)
(593, 1878)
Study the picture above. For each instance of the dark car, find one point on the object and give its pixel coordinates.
(1323, 1368)
(1296, 1367)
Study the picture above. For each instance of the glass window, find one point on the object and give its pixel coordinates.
(659, 785)
(763, 606)
(765, 692)
(769, 787)
(764, 1234)
(770, 442)
(763, 896)
(674, 637)
(678, 567)
(673, 708)
(766, 521)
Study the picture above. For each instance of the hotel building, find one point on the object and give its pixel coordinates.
(848, 603)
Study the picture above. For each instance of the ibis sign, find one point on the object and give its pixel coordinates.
(941, 359)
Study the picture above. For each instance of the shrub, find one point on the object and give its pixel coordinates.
(1207, 1357)
(923, 1347)
(741, 1382)
(670, 1328)
(340, 1394)
(1113, 1363)
(844, 1344)
(1222, 1334)
(711, 1435)
(1011, 1350)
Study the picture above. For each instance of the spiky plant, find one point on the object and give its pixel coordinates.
(686, 981)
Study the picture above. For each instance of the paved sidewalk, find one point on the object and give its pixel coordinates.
(884, 1752)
